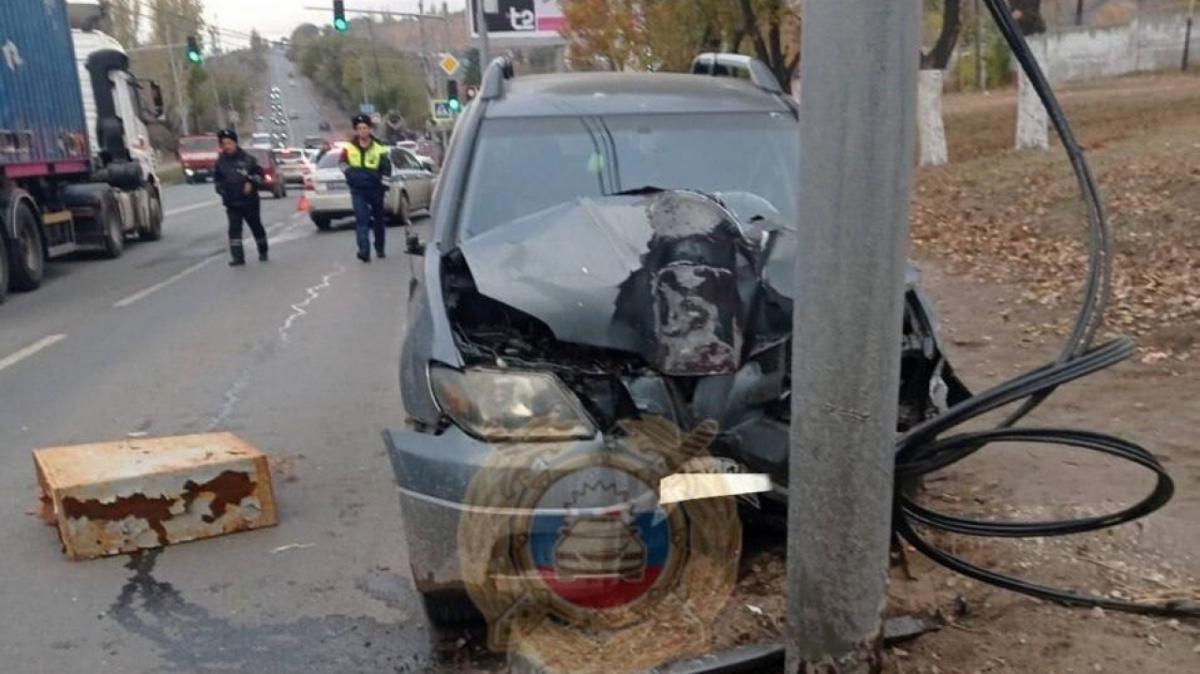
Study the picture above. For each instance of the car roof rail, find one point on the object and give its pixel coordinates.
(732, 65)
(498, 71)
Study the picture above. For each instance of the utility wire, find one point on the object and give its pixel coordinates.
(923, 449)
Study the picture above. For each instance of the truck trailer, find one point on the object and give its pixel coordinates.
(76, 167)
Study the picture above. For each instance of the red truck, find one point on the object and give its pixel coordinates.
(198, 156)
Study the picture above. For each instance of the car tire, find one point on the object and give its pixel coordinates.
(3, 264)
(113, 230)
(26, 255)
(153, 229)
(323, 223)
(450, 609)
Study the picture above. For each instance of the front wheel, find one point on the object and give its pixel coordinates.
(3, 266)
(109, 218)
(26, 257)
(450, 609)
(153, 230)
(323, 223)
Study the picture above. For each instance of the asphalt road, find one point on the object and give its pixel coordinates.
(298, 357)
(297, 98)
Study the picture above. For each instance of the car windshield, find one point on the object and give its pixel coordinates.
(523, 166)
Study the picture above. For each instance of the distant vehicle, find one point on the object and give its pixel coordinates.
(292, 164)
(292, 82)
(410, 145)
(197, 156)
(261, 139)
(294, 115)
(324, 126)
(410, 188)
(271, 174)
(259, 118)
(313, 142)
(76, 167)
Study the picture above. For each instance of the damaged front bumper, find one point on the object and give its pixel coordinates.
(433, 473)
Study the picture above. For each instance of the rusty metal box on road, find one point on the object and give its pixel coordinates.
(119, 497)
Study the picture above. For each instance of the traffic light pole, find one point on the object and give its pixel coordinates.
(858, 123)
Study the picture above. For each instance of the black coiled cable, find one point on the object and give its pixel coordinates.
(923, 449)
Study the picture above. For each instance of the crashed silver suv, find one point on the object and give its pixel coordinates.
(607, 246)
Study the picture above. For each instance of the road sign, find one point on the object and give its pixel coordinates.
(449, 64)
(376, 118)
(366, 108)
(441, 109)
(539, 20)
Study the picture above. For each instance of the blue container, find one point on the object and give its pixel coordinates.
(41, 107)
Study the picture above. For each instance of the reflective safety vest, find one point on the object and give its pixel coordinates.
(374, 155)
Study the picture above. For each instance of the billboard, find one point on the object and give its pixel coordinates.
(533, 20)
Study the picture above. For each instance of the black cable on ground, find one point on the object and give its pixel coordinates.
(923, 450)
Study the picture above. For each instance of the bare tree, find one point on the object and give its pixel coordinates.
(939, 56)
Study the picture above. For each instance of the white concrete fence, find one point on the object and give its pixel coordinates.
(1148, 43)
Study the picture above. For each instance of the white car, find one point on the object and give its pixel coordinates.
(293, 164)
(410, 189)
(261, 140)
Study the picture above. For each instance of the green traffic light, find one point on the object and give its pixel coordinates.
(341, 25)
(194, 57)
(455, 105)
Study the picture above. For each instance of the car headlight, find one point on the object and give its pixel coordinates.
(188, 171)
(509, 405)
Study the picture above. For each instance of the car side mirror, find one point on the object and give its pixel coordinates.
(413, 246)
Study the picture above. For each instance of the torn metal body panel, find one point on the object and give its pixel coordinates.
(667, 303)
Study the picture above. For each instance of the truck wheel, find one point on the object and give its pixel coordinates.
(109, 219)
(153, 231)
(451, 609)
(26, 257)
(323, 223)
(3, 266)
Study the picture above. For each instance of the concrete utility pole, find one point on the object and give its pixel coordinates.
(182, 106)
(858, 112)
(481, 26)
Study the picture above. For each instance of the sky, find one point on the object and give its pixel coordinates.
(278, 18)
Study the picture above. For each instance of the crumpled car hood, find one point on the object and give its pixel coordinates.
(568, 265)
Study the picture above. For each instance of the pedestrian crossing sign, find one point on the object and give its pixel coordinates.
(441, 109)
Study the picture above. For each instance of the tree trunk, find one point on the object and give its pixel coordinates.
(931, 129)
(1032, 122)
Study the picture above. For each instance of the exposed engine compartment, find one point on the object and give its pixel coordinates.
(697, 329)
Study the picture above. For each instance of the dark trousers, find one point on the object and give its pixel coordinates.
(248, 213)
(369, 215)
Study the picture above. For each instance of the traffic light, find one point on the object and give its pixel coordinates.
(452, 96)
(193, 50)
(340, 23)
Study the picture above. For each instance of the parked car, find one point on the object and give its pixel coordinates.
(324, 126)
(313, 142)
(292, 164)
(410, 189)
(260, 139)
(606, 247)
(266, 159)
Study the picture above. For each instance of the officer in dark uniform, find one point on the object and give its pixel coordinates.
(238, 178)
(366, 163)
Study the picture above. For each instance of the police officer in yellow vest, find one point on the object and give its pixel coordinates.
(366, 165)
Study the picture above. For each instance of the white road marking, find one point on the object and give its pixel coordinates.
(142, 294)
(146, 292)
(193, 207)
(30, 350)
